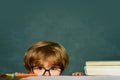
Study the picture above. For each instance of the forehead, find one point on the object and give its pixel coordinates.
(46, 61)
(47, 64)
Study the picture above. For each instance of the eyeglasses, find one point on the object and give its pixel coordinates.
(42, 70)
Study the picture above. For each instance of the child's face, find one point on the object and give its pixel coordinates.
(45, 69)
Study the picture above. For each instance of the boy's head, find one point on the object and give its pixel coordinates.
(46, 58)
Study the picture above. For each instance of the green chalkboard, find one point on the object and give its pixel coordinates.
(89, 30)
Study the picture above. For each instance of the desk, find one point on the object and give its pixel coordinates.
(73, 78)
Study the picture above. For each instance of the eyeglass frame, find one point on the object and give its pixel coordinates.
(46, 70)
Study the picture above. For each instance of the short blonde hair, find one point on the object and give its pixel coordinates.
(53, 52)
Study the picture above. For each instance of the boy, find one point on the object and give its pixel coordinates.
(47, 58)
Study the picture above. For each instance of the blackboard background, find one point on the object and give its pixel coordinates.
(89, 30)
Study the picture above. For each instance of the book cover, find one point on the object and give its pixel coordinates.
(95, 63)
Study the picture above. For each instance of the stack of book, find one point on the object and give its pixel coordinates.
(102, 68)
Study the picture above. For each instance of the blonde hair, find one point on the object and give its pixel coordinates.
(53, 52)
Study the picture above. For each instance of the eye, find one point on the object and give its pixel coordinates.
(40, 68)
(53, 68)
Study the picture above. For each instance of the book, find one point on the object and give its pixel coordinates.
(73, 78)
(104, 63)
(102, 70)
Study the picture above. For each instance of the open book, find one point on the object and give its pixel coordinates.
(73, 78)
